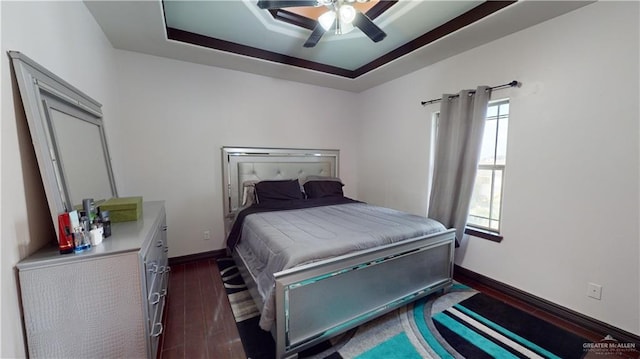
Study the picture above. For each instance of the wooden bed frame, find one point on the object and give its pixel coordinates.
(319, 300)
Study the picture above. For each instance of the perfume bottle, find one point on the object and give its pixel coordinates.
(81, 236)
(65, 234)
(81, 240)
(89, 208)
(106, 223)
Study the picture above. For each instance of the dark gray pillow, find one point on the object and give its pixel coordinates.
(284, 190)
(323, 189)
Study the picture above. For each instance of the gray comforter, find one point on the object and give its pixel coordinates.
(274, 241)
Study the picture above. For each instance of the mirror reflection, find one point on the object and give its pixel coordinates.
(82, 161)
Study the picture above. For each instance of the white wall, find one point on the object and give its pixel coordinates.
(175, 116)
(571, 189)
(63, 37)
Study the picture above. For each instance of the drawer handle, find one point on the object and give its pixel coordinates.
(153, 268)
(162, 269)
(159, 243)
(164, 228)
(166, 249)
(153, 334)
(157, 298)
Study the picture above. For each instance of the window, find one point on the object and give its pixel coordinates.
(485, 210)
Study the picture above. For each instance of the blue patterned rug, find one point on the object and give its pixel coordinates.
(462, 323)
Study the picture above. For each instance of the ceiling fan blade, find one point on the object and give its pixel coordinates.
(316, 34)
(279, 4)
(367, 26)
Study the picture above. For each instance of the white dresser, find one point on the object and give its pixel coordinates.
(106, 302)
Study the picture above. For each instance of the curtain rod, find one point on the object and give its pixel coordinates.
(513, 83)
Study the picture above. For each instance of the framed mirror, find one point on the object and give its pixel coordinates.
(68, 136)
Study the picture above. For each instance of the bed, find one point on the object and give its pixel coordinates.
(390, 258)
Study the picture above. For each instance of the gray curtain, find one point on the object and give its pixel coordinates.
(458, 142)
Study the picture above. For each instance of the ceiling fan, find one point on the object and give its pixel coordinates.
(341, 16)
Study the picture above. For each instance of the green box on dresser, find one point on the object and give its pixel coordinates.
(123, 209)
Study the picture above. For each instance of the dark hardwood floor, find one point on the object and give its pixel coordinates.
(200, 324)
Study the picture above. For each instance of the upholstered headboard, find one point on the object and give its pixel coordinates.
(242, 164)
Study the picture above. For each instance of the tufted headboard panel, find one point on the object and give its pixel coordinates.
(242, 164)
(260, 171)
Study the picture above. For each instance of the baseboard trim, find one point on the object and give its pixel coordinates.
(565, 313)
(219, 253)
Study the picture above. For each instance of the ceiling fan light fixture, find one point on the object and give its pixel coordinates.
(327, 19)
(347, 14)
(346, 28)
(342, 16)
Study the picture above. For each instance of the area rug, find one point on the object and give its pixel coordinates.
(462, 323)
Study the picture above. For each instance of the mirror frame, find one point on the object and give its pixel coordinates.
(36, 84)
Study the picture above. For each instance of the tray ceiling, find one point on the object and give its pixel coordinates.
(238, 35)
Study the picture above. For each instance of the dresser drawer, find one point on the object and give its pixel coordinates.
(155, 257)
(158, 299)
(156, 306)
(157, 248)
(158, 292)
(156, 330)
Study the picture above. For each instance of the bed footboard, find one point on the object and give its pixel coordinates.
(319, 300)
